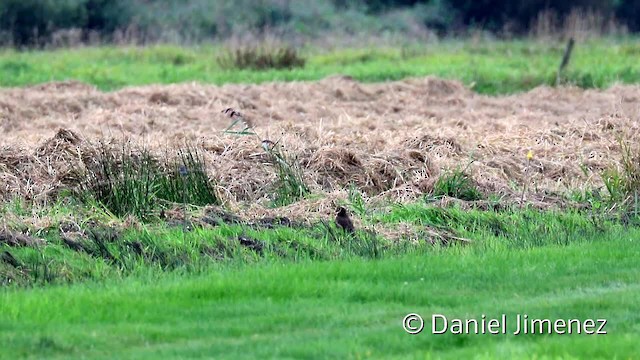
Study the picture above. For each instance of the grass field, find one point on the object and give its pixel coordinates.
(489, 67)
(331, 297)
(94, 250)
(340, 309)
(464, 205)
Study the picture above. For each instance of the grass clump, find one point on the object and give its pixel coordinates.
(623, 185)
(187, 180)
(124, 181)
(130, 181)
(290, 185)
(261, 57)
(356, 200)
(458, 184)
(631, 170)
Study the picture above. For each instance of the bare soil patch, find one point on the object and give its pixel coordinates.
(391, 139)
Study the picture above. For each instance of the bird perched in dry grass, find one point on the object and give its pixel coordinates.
(231, 112)
(237, 117)
(343, 221)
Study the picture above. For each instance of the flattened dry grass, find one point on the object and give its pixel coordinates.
(389, 140)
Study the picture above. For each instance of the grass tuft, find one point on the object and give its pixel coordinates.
(356, 200)
(623, 185)
(187, 181)
(124, 181)
(290, 185)
(631, 170)
(261, 57)
(131, 181)
(458, 184)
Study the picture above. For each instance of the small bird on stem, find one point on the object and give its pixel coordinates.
(230, 112)
(343, 221)
(238, 118)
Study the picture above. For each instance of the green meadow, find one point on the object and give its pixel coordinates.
(488, 67)
(308, 293)
(340, 309)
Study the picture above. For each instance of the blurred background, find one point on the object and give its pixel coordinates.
(55, 23)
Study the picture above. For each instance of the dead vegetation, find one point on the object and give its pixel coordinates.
(13, 239)
(391, 140)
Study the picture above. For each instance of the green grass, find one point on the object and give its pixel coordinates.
(309, 294)
(155, 291)
(488, 67)
(88, 250)
(339, 309)
(458, 184)
(132, 181)
(501, 230)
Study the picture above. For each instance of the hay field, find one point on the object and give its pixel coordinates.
(391, 140)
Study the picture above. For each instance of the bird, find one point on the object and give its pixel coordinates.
(238, 118)
(268, 145)
(230, 112)
(343, 221)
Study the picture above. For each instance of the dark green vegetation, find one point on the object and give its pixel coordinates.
(60, 22)
(488, 67)
(457, 184)
(261, 58)
(78, 244)
(340, 309)
(128, 181)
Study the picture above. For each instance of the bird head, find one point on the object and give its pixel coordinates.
(341, 211)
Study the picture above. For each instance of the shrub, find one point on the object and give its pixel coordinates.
(32, 22)
(629, 11)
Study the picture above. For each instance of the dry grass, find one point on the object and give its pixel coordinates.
(579, 24)
(391, 140)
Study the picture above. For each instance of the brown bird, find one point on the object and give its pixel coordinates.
(343, 221)
(230, 112)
